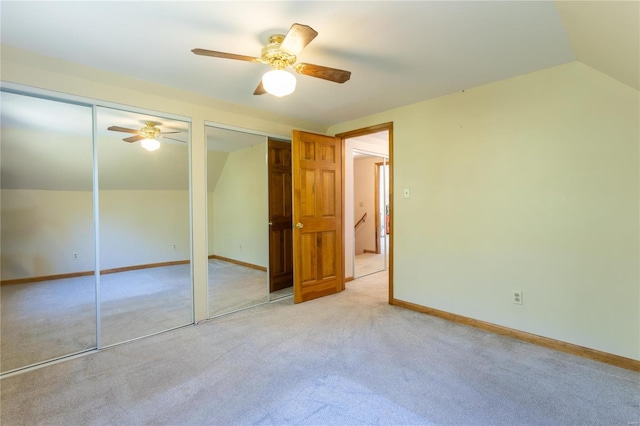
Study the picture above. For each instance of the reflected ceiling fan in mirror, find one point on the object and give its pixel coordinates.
(149, 135)
(281, 53)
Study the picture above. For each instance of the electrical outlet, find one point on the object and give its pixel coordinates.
(75, 255)
(517, 297)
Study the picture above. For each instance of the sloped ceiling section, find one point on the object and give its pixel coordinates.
(220, 142)
(605, 35)
(399, 52)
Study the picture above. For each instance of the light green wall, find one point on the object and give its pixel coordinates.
(527, 184)
(215, 165)
(42, 229)
(240, 209)
(141, 227)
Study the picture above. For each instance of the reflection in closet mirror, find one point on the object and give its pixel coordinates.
(144, 226)
(237, 220)
(47, 244)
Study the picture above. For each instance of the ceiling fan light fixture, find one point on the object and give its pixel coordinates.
(150, 144)
(279, 82)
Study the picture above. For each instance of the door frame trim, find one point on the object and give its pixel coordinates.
(361, 132)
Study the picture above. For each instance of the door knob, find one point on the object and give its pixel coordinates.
(299, 225)
(270, 223)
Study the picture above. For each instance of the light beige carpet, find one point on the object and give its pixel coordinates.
(345, 359)
(49, 319)
(367, 263)
(233, 287)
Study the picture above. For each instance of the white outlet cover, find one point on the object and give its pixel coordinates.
(517, 297)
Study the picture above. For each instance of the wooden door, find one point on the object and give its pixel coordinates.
(280, 216)
(317, 215)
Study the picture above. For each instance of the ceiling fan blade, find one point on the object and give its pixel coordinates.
(213, 53)
(168, 133)
(326, 73)
(133, 138)
(173, 139)
(297, 38)
(260, 89)
(121, 129)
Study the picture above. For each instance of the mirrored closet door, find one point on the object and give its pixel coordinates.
(237, 212)
(48, 291)
(144, 225)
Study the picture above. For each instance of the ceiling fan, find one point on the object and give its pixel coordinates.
(281, 53)
(149, 135)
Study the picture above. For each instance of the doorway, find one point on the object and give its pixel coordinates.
(280, 219)
(371, 213)
(373, 145)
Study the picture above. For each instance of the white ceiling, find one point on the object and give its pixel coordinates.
(224, 140)
(398, 52)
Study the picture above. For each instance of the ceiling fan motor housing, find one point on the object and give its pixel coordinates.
(280, 53)
(150, 131)
(272, 55)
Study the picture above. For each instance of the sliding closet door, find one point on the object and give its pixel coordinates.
(237, 220)
(144, 244)
(47, 243)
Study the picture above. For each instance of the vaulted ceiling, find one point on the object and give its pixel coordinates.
(398, 52)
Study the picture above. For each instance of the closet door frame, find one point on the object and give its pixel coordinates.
(94, 104)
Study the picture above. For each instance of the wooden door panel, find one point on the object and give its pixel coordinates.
(328, 195)
(328, 153)
(328, 261)
(278, 205)
(310, 259)
(317, 210)
(277, 264)
(319, 290)
(280, 216)
(308, 151)
(280, 246)
(307, 199)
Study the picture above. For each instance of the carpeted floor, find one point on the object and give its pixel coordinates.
(367, 263)
(45, 320)
(235, 287)
(345, 359)
(370, 263)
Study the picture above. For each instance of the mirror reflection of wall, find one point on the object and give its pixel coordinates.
(53, 303)
(145, 280)
(237, 220)
(47, 241)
